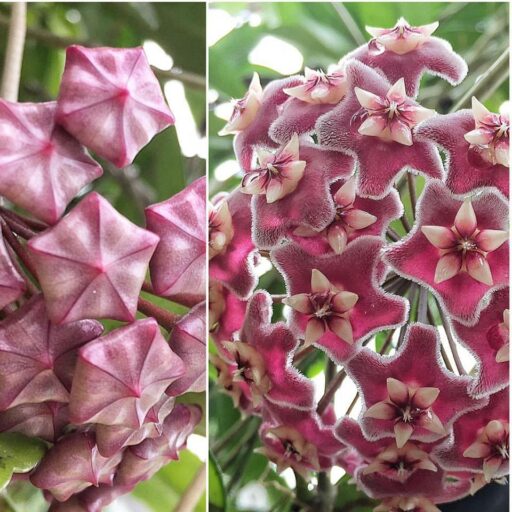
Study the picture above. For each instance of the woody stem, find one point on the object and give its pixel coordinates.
(165, 318)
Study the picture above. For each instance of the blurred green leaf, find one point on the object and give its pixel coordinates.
(216, 490)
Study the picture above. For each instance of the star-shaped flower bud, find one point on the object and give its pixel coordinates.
(392, 117)
(456, 249)
(409, 52)
(491, 135)
(480, 441)
(475, 144)
(188, 341)
(234, 268)
(113, 438)
(405, 401)
(263, 111)
(72, 465)
(220, 228)
(355, 216)
(406, 504)
(111, 101)
(225, 312)
(327, 308)
(122, 375)
(332, 295)
(275, 343)
(309, 204)
(375, 108)
(298, 438)
(92, 263)
(142, 461)
(37, 358)
(12, 284)
(464, 247)
(45, 420)
(42, 168)
(278, 174)
(382, 457)
(315, 96)
(245, 109)
(488, 341)
(179, 263)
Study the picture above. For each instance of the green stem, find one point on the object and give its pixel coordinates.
(349, 23)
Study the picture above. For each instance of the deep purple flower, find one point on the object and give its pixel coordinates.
(375, 122)
(111, 101)
(92, 263)
(42, 168)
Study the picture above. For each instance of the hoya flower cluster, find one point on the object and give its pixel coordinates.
(104, 403)
(324, 157)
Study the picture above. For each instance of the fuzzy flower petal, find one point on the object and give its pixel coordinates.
(92, 263)
(358, 271)
(409, 52)
(428, 419)
(179, 263)
(462, 293)
(372, 135)
(122, 375)
(42, 168)
(37, 358)
(111, 101)
(234, 268)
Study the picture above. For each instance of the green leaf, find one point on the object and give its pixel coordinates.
(18, 454)
(216, 489)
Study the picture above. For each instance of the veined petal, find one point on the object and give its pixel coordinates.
(343, 301)
(342, 328)
(480, 112)
(448, 266)
(401, 133)
(381, 411)
(398, 392)
(314, 331)
(346, 194)
(274, 191)
(372, 126)
(431, 422)
(337, 238)
(319, 283)
(359, 219)
(375, 32)
(491, 467)
(300, 303)
(478, 268)
(439, 236)
(397, 91)
(294, 170)
(490, 239)
(465, 220)
(478, 137)
(503, 354)
(403, 432)
(427, 464)
(291, 148)
(367, 99)
(299, 91)
(424, 397)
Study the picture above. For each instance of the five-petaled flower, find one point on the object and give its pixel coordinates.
(320, 87)
(220, 228)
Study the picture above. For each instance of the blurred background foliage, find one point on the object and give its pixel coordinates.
(174, 38)
(278, 39)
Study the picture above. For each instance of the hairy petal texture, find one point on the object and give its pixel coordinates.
(470, 449)
(309, 204)
(433, 56)
(416, 258)
(391, 381)
(234, 268)
(142, 461)
(357, 270)
(37, 358)
(122, 375)
(92, 263)
(45, 420)
(276, 345)
(188, 341)
(42, 168)
(485, 340)
(111, 101)
(226, 312)
(339, 130)
(72, 465)
(355, 217)
(466, 170)
(257, 132)
(12, 284)
(178, 267)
